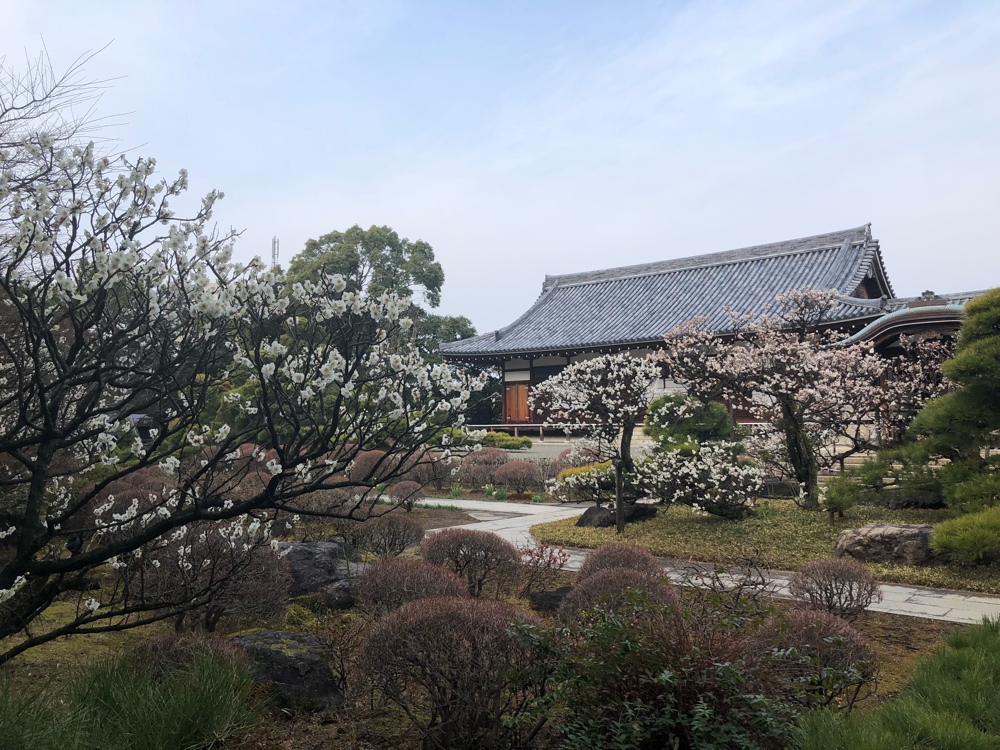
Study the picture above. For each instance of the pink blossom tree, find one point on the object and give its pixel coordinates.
(809, 387)
(602, 399)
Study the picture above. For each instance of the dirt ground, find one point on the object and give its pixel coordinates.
(440, 518)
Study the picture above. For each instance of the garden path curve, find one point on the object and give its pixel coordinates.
(513, 521)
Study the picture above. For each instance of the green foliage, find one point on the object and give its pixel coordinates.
(675, 418)
(456, 491)
(431, 330)
(505, 441)
(647, 677)
(950, 703)
(538, 498)
(489, 440)
(125, 704)
(960, 424)
(500, 495)
(839, 494)
(375, 260)
(971, 538)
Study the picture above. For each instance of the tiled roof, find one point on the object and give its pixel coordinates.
(638, 304)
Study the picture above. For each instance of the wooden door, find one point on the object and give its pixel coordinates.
(516, 404)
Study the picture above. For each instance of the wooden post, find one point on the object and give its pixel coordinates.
(515, 431)
(541, 436)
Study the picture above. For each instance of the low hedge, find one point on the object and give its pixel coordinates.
(969, 539)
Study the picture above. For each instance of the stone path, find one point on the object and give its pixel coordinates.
(513, 521)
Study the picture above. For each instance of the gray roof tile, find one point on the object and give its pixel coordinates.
(641, 303)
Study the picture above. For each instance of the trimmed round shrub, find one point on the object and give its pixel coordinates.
(391, 583)
(460, 674)
(841, 587)
(371, 467)
(820, 657)
(618, 555)
(406, 494)
(387, 535)
(433, 470)
(489, 563)
(516, 476)
(607, 589)
(969, 539)
(479, 467)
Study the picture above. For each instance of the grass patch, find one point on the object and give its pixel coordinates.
(786, 536)
(949, 703)
(120, 703)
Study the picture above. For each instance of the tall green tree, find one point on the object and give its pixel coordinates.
(962, 425)
(373, 260)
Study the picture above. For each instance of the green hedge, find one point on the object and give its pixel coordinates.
(971, 538)
(505, 441)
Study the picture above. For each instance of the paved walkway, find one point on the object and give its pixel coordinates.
(513, 521)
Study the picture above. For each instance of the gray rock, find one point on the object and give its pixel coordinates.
(596, 518)
(290, 664)
(549, 601)
(900, 544)
(338, 595)
(316, 565)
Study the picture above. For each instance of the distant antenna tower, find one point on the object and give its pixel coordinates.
(274, 251)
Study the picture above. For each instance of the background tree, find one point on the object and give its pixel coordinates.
(603, 399)
(946, 452)
(113, 306)
(800, 381)
(677, 418)
(373, 261)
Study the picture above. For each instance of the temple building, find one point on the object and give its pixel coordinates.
(631, 308)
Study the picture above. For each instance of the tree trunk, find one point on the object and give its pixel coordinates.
(622, 465)
(801, 456)
(619, 499)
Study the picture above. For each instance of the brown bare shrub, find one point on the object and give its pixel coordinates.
(517, 476)
(841, 587)
(618, 555)
(342, 633)
(433, 470)
(488, 563)
(387, 535)
(479, 467)
(460, 675)
(607, 589)
(821, 658)
(405, 494)
(371, 468)
(391, 583)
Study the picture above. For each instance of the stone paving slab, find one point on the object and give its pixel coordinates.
(933, 604)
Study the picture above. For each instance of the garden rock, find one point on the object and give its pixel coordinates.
(597, 518)
(901, 544)
(549, 601)
(338, 595)
(316, 565)
(290, 663)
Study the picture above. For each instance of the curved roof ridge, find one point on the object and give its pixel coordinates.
(826, 241)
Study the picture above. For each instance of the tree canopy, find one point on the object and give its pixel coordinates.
(374, 261)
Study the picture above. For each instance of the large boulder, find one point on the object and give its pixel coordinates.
(315, 566)
(901, 544)
(290, 664)
(596, 518)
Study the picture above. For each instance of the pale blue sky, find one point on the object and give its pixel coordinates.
(521, 139)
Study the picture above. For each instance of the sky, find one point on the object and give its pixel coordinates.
(524, 139)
